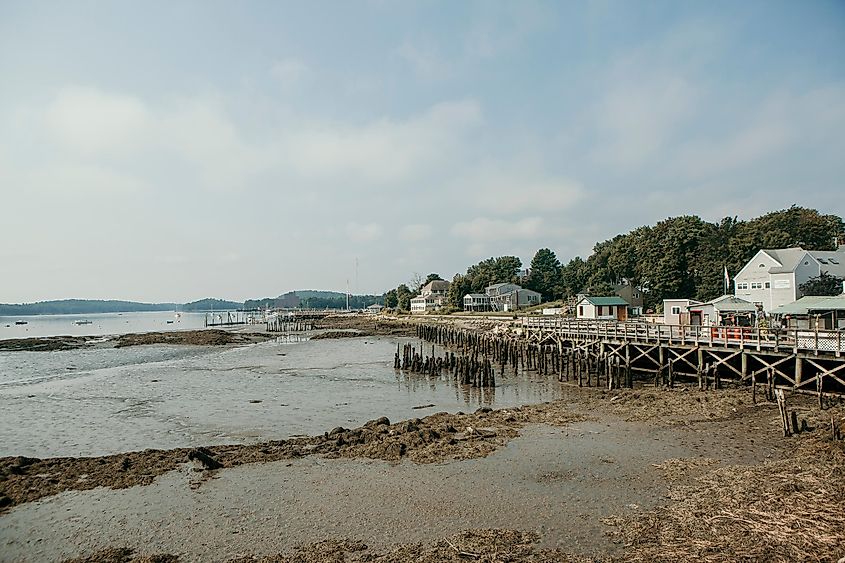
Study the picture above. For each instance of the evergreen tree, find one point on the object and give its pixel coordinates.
(545, 274)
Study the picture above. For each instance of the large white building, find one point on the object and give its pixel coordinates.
(431, 297)
(772, 277)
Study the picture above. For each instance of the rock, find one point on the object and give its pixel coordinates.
(395, 450)
(409, 426)
(204, 456)
(483, 410)
(337, 430)
(378, 422)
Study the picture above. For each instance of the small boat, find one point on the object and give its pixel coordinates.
(21, 323)
(170, 322)
(83, 322)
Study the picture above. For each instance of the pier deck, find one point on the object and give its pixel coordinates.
(800, 360)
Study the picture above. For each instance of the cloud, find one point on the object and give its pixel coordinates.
(422, 56)
(483, 229)
(290, 71)
(90, 121)
(639, 115)
(780, 122)
(384, 151)
(366, 232)
(416, 232)
(518, 188)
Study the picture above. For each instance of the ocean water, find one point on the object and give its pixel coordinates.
(102, 323)
(102, 401)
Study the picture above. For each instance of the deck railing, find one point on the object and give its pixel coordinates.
(818, 341)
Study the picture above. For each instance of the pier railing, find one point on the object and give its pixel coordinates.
(818, 341)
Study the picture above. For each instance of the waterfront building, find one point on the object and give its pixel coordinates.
(773, 277)
(602, 308)
(431, 298)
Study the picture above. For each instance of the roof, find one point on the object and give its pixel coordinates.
(729, 303)
(831, 261)
(812, 303)
(436, 285)
(615, 300)
(788, 258)
(375, 306)
(690, 301)
(475, 295)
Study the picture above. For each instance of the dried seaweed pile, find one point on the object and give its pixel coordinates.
(680, 405)
(483, 546)
(786, 510)
(208, 337)
(123, 555)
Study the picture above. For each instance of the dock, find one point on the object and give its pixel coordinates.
(805, 361)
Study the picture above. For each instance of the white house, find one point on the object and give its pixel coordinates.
(374, 309)
(603, 308)
(724, 310)
(772, 277)
(476, 302)
(675, 311)
(431, 297)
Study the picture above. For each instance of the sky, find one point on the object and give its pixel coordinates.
(170, 151)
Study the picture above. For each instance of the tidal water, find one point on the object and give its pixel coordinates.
(101, 323)
(101, 401)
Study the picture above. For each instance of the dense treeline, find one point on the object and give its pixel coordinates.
(687, 256)
(210, 304)
(355, 302)
(82, 307)
(678, 257)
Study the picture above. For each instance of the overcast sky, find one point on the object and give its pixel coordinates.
(163, 151)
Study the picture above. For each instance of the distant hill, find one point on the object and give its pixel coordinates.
(81, 307)
(308, 293)
(210, 304)
(314, 299)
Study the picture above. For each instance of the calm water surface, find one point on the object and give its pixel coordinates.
(102, 323)
(103, 401)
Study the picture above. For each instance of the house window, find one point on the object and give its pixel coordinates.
(676, 310)
(741, 286)
(580, 310)
(756, 285)
(636, 296)
(767, 285)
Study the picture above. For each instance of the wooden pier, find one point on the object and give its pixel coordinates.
(799, 360)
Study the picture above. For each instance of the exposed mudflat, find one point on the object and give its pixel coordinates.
(206, 337)
(562, 481)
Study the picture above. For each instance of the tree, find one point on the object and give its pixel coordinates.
(545, 274)
(416, 282)
(460, 286)
(823, 284)
(403, 297)
(390, 299)
(430, 278)
(574, 277)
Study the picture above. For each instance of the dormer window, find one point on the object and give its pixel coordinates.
(761, 266)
